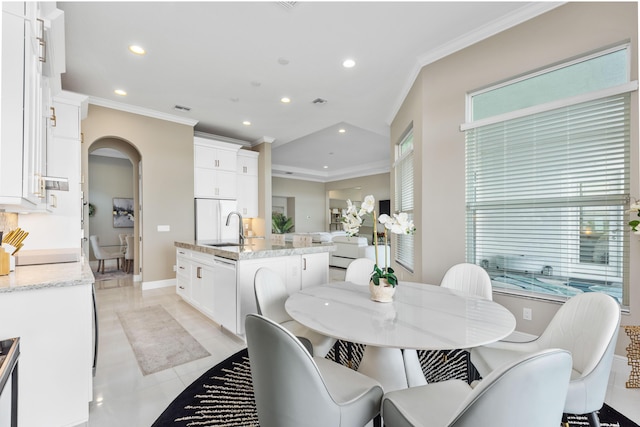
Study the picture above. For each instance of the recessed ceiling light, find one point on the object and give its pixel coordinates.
(342, 130)
(349, 63)
(285, 100)
(283, 61)
(120, 92)
(246, 123)
(138, 50)
(326, 167)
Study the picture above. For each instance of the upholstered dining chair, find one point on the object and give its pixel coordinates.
(293, 388)
(103, 254)
(528, 392)
(277, 239)
(469, 278)
(271, 294)
(359, 271)
(128, 255)
(465, 277)
(587, 326)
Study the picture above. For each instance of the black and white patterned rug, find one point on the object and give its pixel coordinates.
(223, 396)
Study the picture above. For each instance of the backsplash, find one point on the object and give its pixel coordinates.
(8, 221)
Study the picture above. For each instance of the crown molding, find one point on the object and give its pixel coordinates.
(101, 102)
(288, 172)
(516, 17)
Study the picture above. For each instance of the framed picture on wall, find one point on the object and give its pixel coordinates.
(122, 212)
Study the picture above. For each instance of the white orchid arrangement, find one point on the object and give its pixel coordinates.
(400, 223)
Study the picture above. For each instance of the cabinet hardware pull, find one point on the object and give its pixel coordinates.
(53, 118)
(198, 275)
(41, 22)
(181, 268)
(181, 287)
(304, 262)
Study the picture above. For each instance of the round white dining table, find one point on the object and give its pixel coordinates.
(421, 317)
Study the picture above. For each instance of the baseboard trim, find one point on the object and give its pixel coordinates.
(158, 284)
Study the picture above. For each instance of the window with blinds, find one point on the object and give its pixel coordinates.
(404, 252)
(546, 197)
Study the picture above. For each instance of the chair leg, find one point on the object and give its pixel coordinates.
(593, 419)
(377, 421)
(564, 422)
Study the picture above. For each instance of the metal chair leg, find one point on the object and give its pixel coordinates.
(593, 419)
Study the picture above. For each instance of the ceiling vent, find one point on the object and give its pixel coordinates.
(319, 101)
(287, 4)
(182, 108)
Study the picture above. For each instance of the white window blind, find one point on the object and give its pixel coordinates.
(404, 249)
(546, 199)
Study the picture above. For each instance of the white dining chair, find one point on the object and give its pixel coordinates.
(587, 326)
(128, 255)
(469, 278)
(277, 239)
(359, 271)
(102, 254)
(293, 388)
(528, 392)
(465, 277)
(271, 294)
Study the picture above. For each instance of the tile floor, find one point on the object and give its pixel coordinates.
(124, 397)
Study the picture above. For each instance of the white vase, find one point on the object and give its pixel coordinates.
(382, 292)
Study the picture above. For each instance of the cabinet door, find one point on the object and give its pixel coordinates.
(202, 287)
(314, 269)
(248, 195)
(11, 97)
(215, 158)
(216, 184)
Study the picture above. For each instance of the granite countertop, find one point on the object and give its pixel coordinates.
(255, 248)
(30, 277)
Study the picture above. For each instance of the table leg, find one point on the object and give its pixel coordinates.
(385, 365)
(415, 376)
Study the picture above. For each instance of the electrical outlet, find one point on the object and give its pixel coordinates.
(174, 268)
(526, 313)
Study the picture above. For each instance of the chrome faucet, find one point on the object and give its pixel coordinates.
(240, 227)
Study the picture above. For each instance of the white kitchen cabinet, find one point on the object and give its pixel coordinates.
(183, 274)
(26, 94)
(215, 165)
(314, 269)
(203, 283)
(56, 352)
(247, 176)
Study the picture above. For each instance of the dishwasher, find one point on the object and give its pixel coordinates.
(224, 294)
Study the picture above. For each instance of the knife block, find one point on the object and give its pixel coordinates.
(5, 262)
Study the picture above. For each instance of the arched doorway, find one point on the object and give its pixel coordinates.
(114, 177)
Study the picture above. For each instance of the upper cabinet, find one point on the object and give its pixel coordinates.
(31, 61)
(214, 169)
(224, 171)
(248, 183)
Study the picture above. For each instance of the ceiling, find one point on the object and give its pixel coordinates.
(233, 61)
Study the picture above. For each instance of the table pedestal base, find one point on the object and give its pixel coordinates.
(385, 365)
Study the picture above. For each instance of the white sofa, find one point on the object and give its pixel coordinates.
(350, 248)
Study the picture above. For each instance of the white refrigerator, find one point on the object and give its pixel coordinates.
(211, 217)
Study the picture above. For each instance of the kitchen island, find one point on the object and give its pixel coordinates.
(217, 277)
(50, 307)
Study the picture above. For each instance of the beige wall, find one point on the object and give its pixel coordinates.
(310, 202)
(166, 152)
(109, 177)
(436, 105)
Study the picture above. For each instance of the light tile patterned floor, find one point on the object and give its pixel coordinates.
(124, 397)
